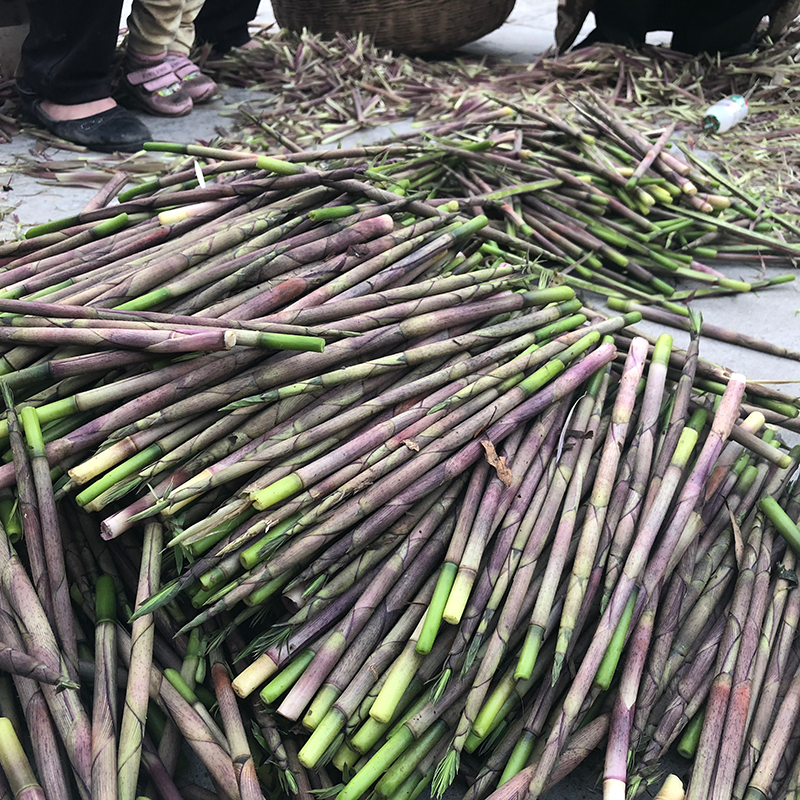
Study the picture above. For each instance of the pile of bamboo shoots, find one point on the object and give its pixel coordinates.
(336, 477)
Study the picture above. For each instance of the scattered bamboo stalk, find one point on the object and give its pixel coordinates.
(104, 712)
(16, 767)
(134, 713)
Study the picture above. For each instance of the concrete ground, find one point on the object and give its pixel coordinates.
(527, 32)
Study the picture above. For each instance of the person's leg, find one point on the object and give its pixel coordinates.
(150, 79)
(68, 53)
(622, 22)
(781, 15)
(153, 25)
(223, 23)
(197, 85)
(185, 35)
(66, 82)
(725, 26)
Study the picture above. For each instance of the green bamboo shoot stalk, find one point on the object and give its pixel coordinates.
(134, 715)
(345, 758)
(283, 681)
(418, 781)
(596, 390)
(504, 697)
(51, 539)
(29, 511)
(364, 682)
(523, 515)
(241, 755)
(608, 666)
(742, 679)
(16, 766)
(399, 742)
(502, 635)
(399, 677)
(449, 569)
(278, 166)
(712, 731)
(485, 522)
(518, 758)
(532, 356)
(104, 710)
(402, 768)
(371, 732)
(530, 451)
(782, 522)
(426, 544)
(600, 497)
(687, 746)
(522, 744)
(645, 451)
(107, 460)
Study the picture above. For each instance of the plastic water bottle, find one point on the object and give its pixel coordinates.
(722, 116)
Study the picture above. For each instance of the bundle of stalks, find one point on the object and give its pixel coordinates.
(317, 92)
(427, 515)
(593, 200)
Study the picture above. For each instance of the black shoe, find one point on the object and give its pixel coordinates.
(109, 131)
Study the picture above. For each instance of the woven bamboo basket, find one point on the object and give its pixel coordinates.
(416, 27)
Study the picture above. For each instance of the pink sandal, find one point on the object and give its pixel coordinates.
(197, 85)
(155, 87)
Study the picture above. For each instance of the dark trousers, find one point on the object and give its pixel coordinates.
(711, 25)
(68, 53)
(223, 23)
